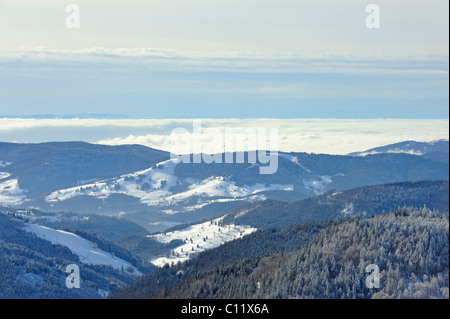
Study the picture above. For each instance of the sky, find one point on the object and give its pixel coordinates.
(223, 59)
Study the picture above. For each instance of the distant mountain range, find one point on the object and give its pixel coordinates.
(247, 218)
(120, 211)
(68, 116)
(360, 201)
(147, 187)
(435, 150)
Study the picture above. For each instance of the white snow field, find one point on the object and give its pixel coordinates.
(158, 180)
(4, 175)
(198, 238)
(10, 192)
(4, 163)
(85, 249)
(316, 184)
(294, 159)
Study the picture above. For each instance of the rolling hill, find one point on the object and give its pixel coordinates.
(146, 187)
(35, 257)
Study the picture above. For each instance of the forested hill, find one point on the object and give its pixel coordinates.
(316, 260)
(260, 243)
(361, 201)
(34, 267)
(410, 247)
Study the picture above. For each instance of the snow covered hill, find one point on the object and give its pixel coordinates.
(198, 238)
(409, 147)
(148, 188)
(158, 185)
(88, 252)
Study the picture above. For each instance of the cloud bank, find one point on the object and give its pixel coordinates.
(161, 83)
(227, 61)
(330, 136)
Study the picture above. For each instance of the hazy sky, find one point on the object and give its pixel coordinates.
(306, 26)
(225, 59)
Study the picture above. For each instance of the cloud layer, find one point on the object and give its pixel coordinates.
(159, 83)
(331, 136)
(226, 61)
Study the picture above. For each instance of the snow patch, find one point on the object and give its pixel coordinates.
(4, 163)
(11, 193)
(348, 209)
(294, 159)
(318, 186)
(198, 238)
(392, 151)
(86, 250)
(103, 293)
(152, 187)
(4, 175)
(149, 185)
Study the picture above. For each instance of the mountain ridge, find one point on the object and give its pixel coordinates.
(410, 147)
(147, 187)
